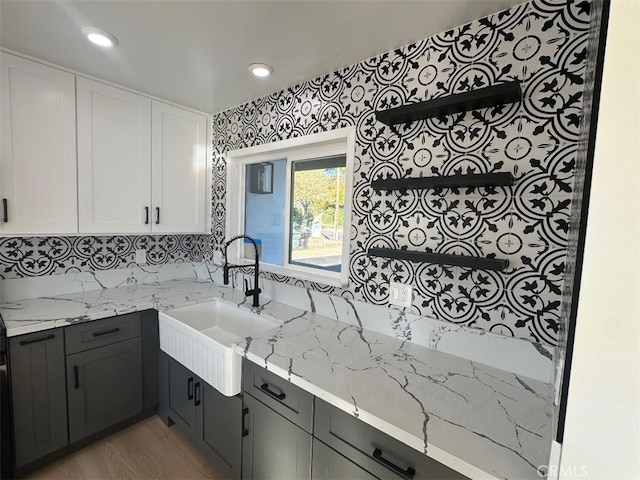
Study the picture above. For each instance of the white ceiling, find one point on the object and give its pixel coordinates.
(196, 53)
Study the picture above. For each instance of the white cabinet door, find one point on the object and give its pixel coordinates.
(179, 166)
(114, 159)
(38, 148)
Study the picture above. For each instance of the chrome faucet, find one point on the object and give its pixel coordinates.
(255, 291)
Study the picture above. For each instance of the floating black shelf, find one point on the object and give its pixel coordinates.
(460, 102)
(450, 181)
(440, 258)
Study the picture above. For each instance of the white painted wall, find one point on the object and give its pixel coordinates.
(602, 436)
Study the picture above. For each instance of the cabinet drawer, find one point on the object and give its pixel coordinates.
(373, 450)
(288, 400)
(99, 333)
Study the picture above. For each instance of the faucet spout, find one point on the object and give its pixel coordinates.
(255, 291)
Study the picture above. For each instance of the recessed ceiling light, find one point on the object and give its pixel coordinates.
(99, 37)
(260, 69)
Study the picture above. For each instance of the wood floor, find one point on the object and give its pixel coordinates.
(147, 450)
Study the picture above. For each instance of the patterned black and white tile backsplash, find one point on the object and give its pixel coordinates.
(34, 256)
(542, 43)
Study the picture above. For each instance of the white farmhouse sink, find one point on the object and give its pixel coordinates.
(200, 337)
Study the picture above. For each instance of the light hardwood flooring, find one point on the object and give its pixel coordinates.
(146, 450)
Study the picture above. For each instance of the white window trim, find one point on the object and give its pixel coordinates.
(334, 142)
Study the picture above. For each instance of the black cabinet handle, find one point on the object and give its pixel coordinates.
(106, 332)
(190, 388)
(277, 396)
(76, 377)
(197, 395)
(146, 215)
(36, 340)
(245, 432)
(157, 215)
(408, 473)
(5, 211)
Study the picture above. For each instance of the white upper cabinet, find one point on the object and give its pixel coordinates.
(142, 164)
(114, 159)
(179, 168)
(81, 156)
(38, 148)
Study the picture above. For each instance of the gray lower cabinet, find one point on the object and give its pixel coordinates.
(38, 394)
(281, 418)
(330, 465)
(150, 349)
(69, 383)
(274, 447)
(104, 387)
(180, 395)
(279, 424)
(376, 452)
(220, 430)
(211, 420)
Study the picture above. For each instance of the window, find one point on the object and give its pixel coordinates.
(294, 197)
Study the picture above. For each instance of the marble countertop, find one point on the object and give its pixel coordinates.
(482, 421)
(479, 420)
(44, 313)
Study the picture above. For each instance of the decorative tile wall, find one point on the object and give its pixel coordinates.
(22, 257)
(544, 44)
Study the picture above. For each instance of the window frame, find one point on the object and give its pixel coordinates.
(335, 142)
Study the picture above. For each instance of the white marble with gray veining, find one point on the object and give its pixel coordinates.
(479, 420)
(78, 282)
(483, 421)
(44, 313)
(520, 356)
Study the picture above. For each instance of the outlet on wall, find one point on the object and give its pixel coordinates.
(217, 257)
(141, 256)
(400, 294)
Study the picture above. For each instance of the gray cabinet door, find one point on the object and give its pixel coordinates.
(220, 429)
(39, 395)
(104, 387)
(181, 401)
(330, 465)
(150, 349)
(274, 448)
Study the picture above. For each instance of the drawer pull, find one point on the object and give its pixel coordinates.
(157, 215)
(36, 340)
(277, 396)
(408, 473)
(190, 388)
(76, 378)
(146, 215)
(5, 211)
(197, 395)
(106, 332)
(245, 432)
